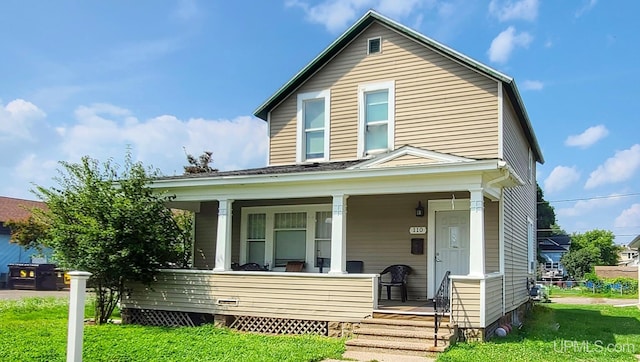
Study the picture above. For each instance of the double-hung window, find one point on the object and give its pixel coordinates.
(313, 126)
(376, 117)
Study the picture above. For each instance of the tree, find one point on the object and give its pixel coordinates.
(200, 164)
(595, 247)
(111, 225)
(546, 216)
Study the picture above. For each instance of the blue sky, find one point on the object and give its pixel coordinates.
(89, 78)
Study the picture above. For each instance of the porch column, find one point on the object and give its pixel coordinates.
(339, 235)
(223, 238)
(476, 233)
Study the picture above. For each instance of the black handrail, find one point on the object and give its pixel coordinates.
(442, 304)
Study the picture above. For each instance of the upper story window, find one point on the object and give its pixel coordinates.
(376, 117)
(374, 45)
(313, 126)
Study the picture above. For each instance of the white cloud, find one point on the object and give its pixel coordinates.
(629, 218)
(186, 10)
(17, 118)
(583, 207)
(532, 85)
(618, 168)
(589, 4)
(336, 15)
(104, 130)
(560, 178)
(506, 10)
(505, 42)
(587, 138)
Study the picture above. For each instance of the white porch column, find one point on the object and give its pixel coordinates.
(476, 233)
(223, 238)
(339, 235)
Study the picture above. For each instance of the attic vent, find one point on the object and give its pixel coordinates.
(374, 45)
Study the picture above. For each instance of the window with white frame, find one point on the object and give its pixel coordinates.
(313, 126)
(274, 235)
(531, 247)
(376, 117)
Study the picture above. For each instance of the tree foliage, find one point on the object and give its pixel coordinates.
(200, 164)
(546, 216)
(110, 224)
(595, 247)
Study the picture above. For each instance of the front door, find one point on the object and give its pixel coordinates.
(451, 243)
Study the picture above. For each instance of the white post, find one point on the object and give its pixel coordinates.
(476, 233)
(76, 315)
(223, 238)
(339, 235)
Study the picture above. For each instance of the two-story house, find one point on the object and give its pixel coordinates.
(387, 148)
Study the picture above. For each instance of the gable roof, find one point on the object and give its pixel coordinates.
(555, 242)
(17, 209)
(371, 16)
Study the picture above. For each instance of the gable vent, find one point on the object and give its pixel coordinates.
(374, 45)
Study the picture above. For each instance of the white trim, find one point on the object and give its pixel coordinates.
(502, 249)
(269, 211)
(530, 168)
(500, 122)
(369, 43)
(413, 151)
(432, 207)
(531, 239)
(223, 235)
(371, 87)
(339, 234)
(477, 247)
(300, 136)
(268, 163)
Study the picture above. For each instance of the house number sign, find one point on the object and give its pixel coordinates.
(417, 230)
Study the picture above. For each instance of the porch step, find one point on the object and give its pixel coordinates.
(401, 335)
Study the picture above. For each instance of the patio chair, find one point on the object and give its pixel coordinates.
(398, 274)
(355, 266)
(294, 266)
(251, 267)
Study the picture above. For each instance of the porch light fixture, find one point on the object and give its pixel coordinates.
(420, 210)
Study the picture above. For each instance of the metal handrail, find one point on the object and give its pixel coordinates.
(441, 303)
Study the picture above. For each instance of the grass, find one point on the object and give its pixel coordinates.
(555, 291)
(562, 332)
(35, 329)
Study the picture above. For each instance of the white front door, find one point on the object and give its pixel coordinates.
(451, 243)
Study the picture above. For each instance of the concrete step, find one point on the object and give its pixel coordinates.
(405, 323)
(424, 334)
(410, 348)
(408, 316)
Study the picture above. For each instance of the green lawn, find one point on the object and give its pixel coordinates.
(35, 329)
(562, 332)
(587, 293)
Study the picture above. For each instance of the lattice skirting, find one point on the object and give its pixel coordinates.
(165, 318)
(279, 325)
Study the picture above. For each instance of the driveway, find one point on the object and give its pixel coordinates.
(587, 300)
(19, 294)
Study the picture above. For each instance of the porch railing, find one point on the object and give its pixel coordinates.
(441, 304)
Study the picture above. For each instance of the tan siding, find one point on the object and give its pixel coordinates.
(492, 236)
(520, 203)
(493, 300)
(347, 299)
(378, 234)
(206, 226)
(440, 105)
(465, 303)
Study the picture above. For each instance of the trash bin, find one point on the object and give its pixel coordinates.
(32, 276)
(62, 279)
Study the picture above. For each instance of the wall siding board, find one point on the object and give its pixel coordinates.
(520, 203)
(465, 303)
(430, 90)
(297, 297)
(206, 226)
(493, 300)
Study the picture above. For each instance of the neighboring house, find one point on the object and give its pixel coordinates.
(10, 253)
(551, 249)
(628, 256)
(382, 127)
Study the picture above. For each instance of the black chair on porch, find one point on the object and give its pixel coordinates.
(398, 278)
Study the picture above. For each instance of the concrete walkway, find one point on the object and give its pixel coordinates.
(379, 357)
(587, 300)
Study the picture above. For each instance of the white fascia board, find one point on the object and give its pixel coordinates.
(338, 175)
(413, 151)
